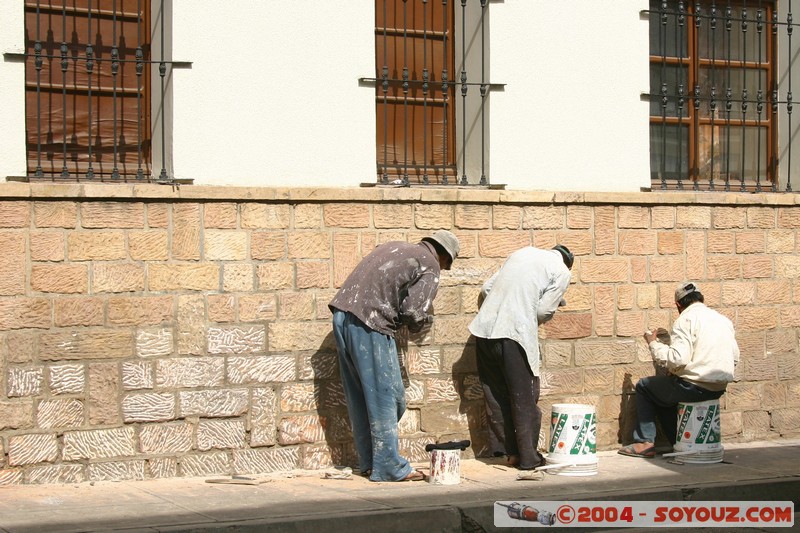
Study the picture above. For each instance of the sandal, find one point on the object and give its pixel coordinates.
(415, 475)
(630, 451)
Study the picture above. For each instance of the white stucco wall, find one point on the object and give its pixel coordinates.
(273, 97)
(12, 91)
(571, 116)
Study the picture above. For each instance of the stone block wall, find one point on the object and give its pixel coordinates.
(147, 331)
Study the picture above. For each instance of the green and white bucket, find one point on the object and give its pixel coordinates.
(699, 436)
(573, 440)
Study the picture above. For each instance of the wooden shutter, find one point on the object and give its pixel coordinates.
(109, 129)
(415, 132)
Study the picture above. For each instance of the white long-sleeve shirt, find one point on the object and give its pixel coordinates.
(702, 349)
(525, 292)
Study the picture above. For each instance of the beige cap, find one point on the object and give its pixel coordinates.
(446, 240)
(684, 289)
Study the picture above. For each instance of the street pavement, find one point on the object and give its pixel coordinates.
(307, 501)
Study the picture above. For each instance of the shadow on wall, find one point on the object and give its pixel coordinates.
(331, 407)
(471, 402)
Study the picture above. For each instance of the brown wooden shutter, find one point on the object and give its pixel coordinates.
(410, 133)
(58, 106)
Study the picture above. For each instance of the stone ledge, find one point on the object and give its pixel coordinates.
(178, 193)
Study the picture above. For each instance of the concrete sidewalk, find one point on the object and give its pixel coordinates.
(304, 501)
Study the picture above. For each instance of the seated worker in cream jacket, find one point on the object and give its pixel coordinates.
(700, 358)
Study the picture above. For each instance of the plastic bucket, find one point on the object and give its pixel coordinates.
(573, 440)
(699, 432)
(445, 467)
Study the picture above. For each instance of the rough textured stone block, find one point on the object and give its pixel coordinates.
(780, 241)
(117, 277)
(261, 369)
(150, 245)
(433, 216)
(318, 457)
(60, 278)
(190, 330)
(189, 372)
(220, 434)
(99, 443)
(47, 246)
(55, 474)
(392, 215)
(140, 311)
(261, 418)
(66, 379)
(14, 214)
(222, 215)
(154, 342)
(103, 394)
(148, 407)
(225, 245)
(90, 344)
(96, 246)
(633, 216)
(307, 216)
(213, 403)
(62, 413)
(10, 477)
(12, 269)
(33, 448)
(313, 274)
(162, 467)
(301, 429)
(299, 397)
(221, 308)
(297, 336)
(214, 463)
(257, 307)
(236, 340)
(186, 232)
(267, 245)
(24, 381)
(166, 438)
(273, 276)
(441, 390)
(611, 352)
(238, 277)
(112, 214)
(346, 215)
(158, 215)
(116, 471)
(265, 216)
(182, 276)
(578, 217)
(669, 268)
(55, 214)
(694, 217)
(501, 244)
(265, 461)
(604, 270)
(543, 217)
(16, 414)
(137, 375)
(294, 306)
(71, 312)
(568, 326)
(473, 216)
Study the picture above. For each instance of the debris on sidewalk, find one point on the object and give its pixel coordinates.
(239, 480)
(338, 472)
(530, 475)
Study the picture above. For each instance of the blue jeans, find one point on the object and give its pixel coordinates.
(657, 397)
(373, 388)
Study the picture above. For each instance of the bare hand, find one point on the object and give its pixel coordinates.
(649, 336)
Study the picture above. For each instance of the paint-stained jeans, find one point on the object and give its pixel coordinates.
(373, 388)
(657, 398)
(511, 393)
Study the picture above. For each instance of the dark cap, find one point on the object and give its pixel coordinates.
(569, 259)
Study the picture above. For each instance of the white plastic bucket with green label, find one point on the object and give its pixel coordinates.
(573, 440)
(699, 436)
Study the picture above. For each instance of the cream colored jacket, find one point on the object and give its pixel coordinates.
(702, 350)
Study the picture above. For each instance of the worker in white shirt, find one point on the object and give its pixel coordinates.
(700, 360)
(524, 293)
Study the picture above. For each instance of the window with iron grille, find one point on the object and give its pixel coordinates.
(714, 94)
(89, 69)
(431, 95)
